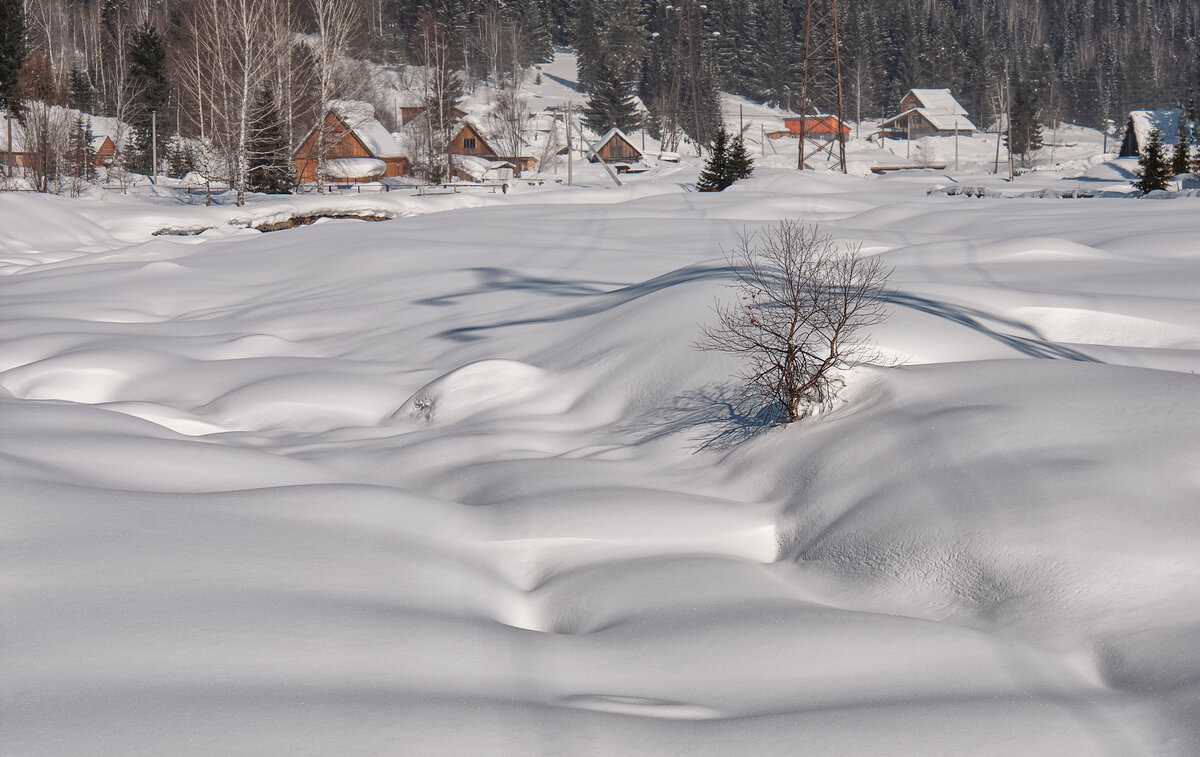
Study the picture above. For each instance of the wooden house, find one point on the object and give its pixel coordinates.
(357, 147)
(470, 142)
(1142, 122)
(817, 127)
(928, 113)
(615, 147)
(410, 113)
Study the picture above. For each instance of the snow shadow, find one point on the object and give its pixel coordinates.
(717, 417)
(974, 319)
(598, 299)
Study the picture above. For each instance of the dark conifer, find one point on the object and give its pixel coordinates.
(716, 175)
(1181, 157)
(12, 46)
(610, 102)
(741, 165)
(80, 94)
(148, 81)
(270, 164)
(1153, 173)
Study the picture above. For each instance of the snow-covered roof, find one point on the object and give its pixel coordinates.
(360, 117)
(478, 168)
(613, 132)
(353, 168)
(1166, 120)
(939, 101)
(939, 120)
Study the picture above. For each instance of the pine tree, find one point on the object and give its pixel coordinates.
(1026, 125)
(741, 165)
(148, 80)
(12, 46)
(1181, 157)
(80, 156)
(610, 103)
(1153, 173)
(588, 50)
(80, 94)
(270, 164)
(533, 18)
(716, 175)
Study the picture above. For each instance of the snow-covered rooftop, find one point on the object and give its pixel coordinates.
(939, 100)
(360, 117)
(353, 168)
(1166, 120)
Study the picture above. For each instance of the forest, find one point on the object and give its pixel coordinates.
(227, 71)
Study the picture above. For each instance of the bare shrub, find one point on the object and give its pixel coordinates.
(803, 307)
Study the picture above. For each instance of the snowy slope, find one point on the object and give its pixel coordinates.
(457, 483)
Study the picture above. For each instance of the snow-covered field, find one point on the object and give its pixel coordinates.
(458, 483)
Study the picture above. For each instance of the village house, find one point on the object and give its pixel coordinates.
(1142, 122)
(816, 127)
(357, 147)
(928, 113)
(615, 147)
(105, 133)
(469, 142)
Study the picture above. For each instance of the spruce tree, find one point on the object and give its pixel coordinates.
(610, 102)
(1026, 126)
(80, 94)
(80, 156)
(1181, 157)
(1153, 173)
(587, 44)
(741, 165)
(270, 162)
(716, 175)
(148, 79)
(12, 46)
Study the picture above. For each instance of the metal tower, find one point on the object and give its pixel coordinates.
(821, 91)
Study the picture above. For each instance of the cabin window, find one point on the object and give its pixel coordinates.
(468, 143)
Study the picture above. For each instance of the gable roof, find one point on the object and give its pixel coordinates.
(359, 118)
(939, 120)
(612, 134)
(938, 101)
(478, 132)
(1166, 120)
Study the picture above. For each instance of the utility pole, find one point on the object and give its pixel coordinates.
(821, 90)
(1008, 111)
(154, 146)
(570, 151)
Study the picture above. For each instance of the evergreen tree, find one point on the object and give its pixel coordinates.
(1181, 157)
(270, 162)
(80, 94)
(533, 19)
(610, 102)
(12, 46)
(716, 175)
(588, 50)
(1153, 173)
(181, 160)
(740, 164)
(81, 157)
(148, 81)
(1026, 124)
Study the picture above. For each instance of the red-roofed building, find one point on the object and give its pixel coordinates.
(817, 127)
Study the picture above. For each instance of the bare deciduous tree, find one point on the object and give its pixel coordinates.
(804, 304)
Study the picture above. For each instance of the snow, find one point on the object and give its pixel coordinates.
(360, 117)
(939, 101)
(1166, 120)
(352, 168)
(940, 120)
(458, 483)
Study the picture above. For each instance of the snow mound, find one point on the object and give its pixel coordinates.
(473, 389)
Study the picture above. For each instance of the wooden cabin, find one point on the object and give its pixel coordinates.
(1142, 122)
(410, 113)
(928, 113)
(357, 147)
(615, 147)
(817, 127)
(469, 141)
(104, 151)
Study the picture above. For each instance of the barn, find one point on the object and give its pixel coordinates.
(929, 113)
(1142, 122)
(615, 147)
(358, 148)
(816, 127)
(470, 142)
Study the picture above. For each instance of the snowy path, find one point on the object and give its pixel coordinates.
(226, 531)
